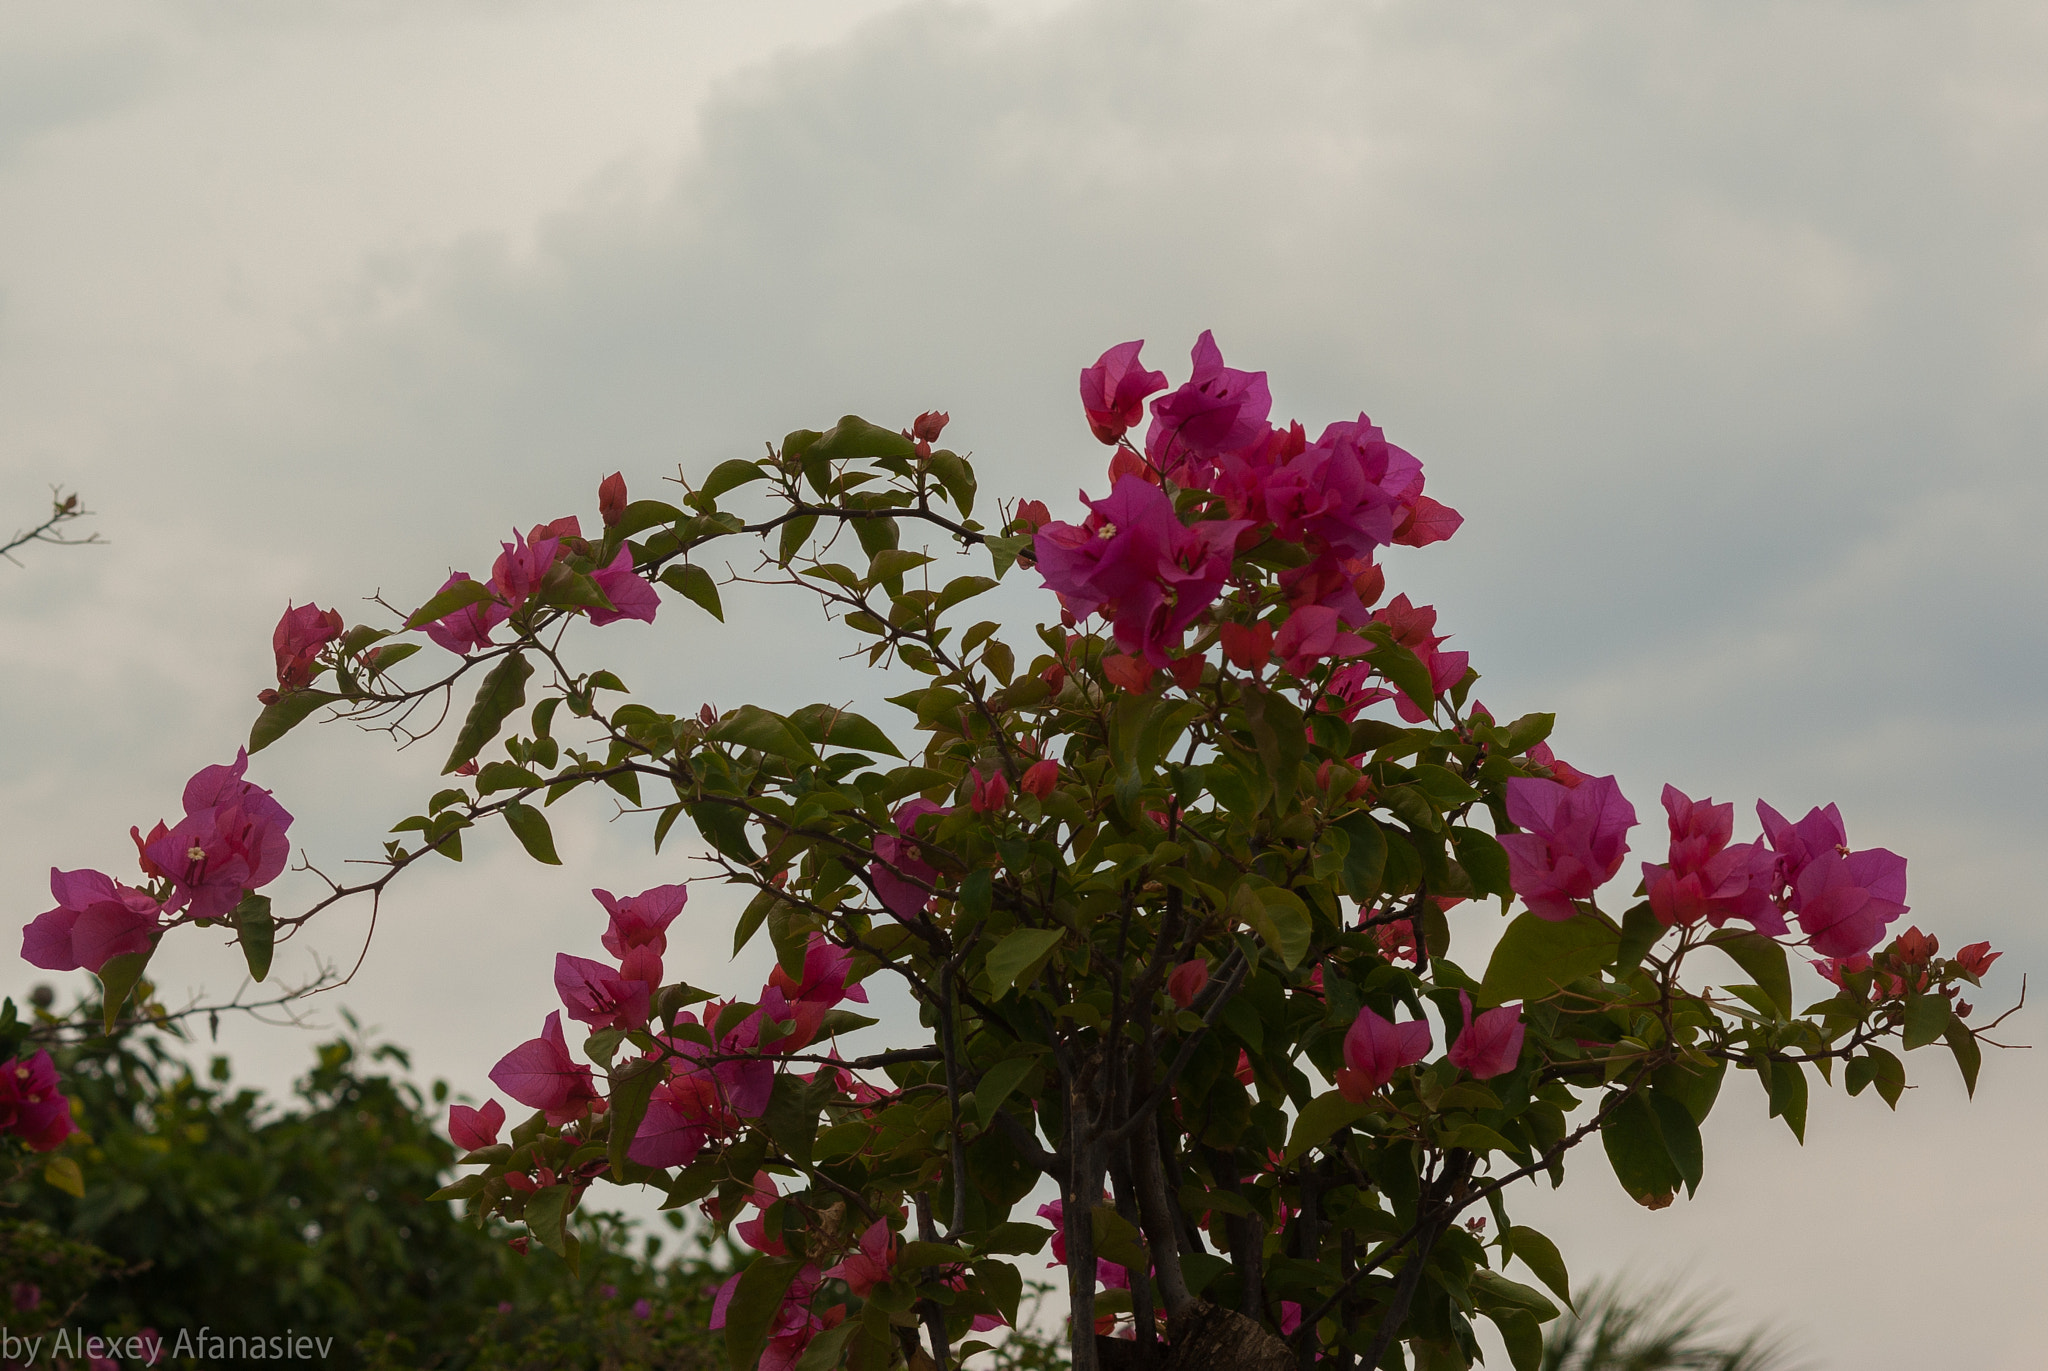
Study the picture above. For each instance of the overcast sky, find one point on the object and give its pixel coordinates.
(1723, 325)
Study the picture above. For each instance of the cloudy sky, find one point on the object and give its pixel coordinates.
(1723, 325)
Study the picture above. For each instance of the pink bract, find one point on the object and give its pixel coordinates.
(1573, 841)
(631, 596)
(1490, 1045)
(1375, 1048)
(1113, 391)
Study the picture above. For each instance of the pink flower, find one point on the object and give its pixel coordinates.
(1039, 778)
(611, 499)
(1134, 560)
(1113, 391)
(297, 641)
(1572, 842)
(470, 1129)
(95, 919)
(871, 1263)
(987, 795)
(1564, 773)
(1836, 969)
(1219, 410)
(823, 986)
(31, 1106)
(679, 1119)
(1375, 1049)
(1187, 980)
(595, 994)
(1248, 647)
(1490, 1045)
(1976, 959)
(1427, 522)
(1312, 633)
(1706, 878)
(641, 920)
(1797, 844)
(522, 566)
(898, 865)
(540, 1074)
(631, 596)
(231, 841)
(469, 628)
(1843, 903)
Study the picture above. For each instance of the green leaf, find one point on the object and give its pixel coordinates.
(1788, 1096)
(1018, 1239)
(828, 1347)
(754, 1306)
(1635, 1147)
(827, 726)
(284, 714)
(957, 478)
(915, 1255)
(996, 1084)
(63, 1173)
(1318, 1119)
(730, 475)
(530, 826)
(1485, 860)
(1695, 1087)
(118, 976)
(1408, 674)
(1279, 731)
(694, 583)
(752, 726)
(1640, 931)
(1365, 861)
(1538, 957)
(547, 1218)
(1681, 1138)
(1927, 1018)
(1764, 959)
(257, 933)
(1017, 953)
(503, 690)
(1889, 1073)
(791, 1118)
(1540, 1255)
(1969, 1056)
(459, 596)
(643, 514)
(631, 1086)
(1200, 1268)
(1527, 731)
(1279, 918)
(891, 563)
(1522, 1336)
(1495, 1291)
(855, 439)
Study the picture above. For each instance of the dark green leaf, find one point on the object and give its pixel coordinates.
(1968, 1055)
(530, 826)
(791, 1118)
(1788, 1096)
(631, 1086)
(957, 478)
(503, 690)
(459, 596)
(1764, 959)
(694, 583)
(754, 1307)
(1318, 1119)
(118, 976)
(1537, 957)
(996, 1084)
(1635, 1148)
(257, 933)
(730, 475)
(1681, 1138)
(1540, 1255)
(1408, 674)
(284, 714)
(855, 439)
(827, 726)
(1927, 1018)
(752, 726)
(1365, 861)
(1017, 953)
(1640, 931)
(1485, 860)
(1522, 1336)
(547, 1214)
(643, 514)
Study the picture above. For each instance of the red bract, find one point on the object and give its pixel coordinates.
(871, 1263)
(470, 1129)
(1374, 1049)
(897, 865)
(1219, 410)
(1113, 391)
(823, 986)
(95, 919)
(1572, 841)
(1564, 773)
(1345, 494)
(1976, 959)
(1490, 1045)
(540, 1074)
(31, 1106)
(1039, 778)
(1706, 878)
(641, 920)
(522, 566)
(1312, 633)
(987, 794)
(927, 427)
(631, 596)
(297, 641)
(611, 498)
(1133, 560)
(469, 628)
(1351, 689)
(595, 994)
(1186, 981)
(231, 841)
(1248, 647)
(1412, 627)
